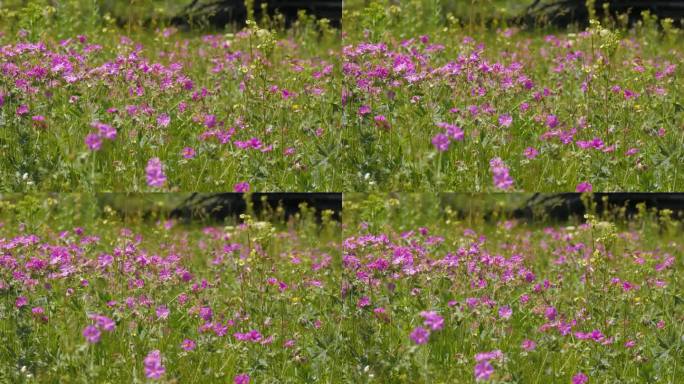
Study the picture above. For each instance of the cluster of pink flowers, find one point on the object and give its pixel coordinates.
(432, 321)
(501, 175)
(452, 132)
(150, 91)
(92, 332)
(155, 173)
(154, 369)
(499, 93)
(483, 368)
(486, 280)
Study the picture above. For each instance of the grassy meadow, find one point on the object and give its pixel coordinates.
(123, 101)
(89, 290)
(452, 96)
(435, 293)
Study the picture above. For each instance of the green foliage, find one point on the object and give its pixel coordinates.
(249, 91)
(597, 275)
(53, 349)
(603, 82)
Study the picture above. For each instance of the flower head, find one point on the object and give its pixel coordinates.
(552, 121)
(93, 141)
(241, 187)
(188, 344)
(155, 173)
(580, 378)
(153, 365)
(505, 120)
(550, 313)
(188, 152)
(505, 312)
(483, 370)
(420, 335)
(91, 334)
(529, 345)
(584, 186)
(491, 355)
(22, 110)
(242, 378)
(500, 173)
(103, 322)
(531, 152)
(432, 320)
(441, 142)
(364, 110)
(162, 312)
(20, 301)
(106, 131)
(163, 120)
(453, 131)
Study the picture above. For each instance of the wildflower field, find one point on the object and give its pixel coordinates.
(454, 96)
(88, 295)
(473, 143)
(443, 295)
(88, 104)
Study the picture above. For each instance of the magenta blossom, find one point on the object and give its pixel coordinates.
(420, 335)
(500, 173)
(381, 121)
(106, 131)
(580, 378)
(584, 186)
(153, 365)
(550, 313)
(188, 344)
(188, 152)
(505, 312)
(22, 110)
(552, 121)
(241, 187)
(530, 152)
(91, 334)
(432, 320)
(483, 371)
(155, 173)
(162, 312)
(453, 131)
(529, 345)
(242, 378)
(20, 301)
(163, 120)
(505, 120)
(103, 322)
(441, 142)
(93, 141)
(491, 355)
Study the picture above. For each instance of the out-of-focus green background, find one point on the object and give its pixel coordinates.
(460, 8)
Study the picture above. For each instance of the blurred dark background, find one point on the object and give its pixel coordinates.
(564, 206)
(223, 12)
(219, 206)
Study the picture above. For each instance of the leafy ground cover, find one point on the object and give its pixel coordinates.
(432, 295)
(87, 104)
(89, 296)
(409, 289)
(433, 101)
